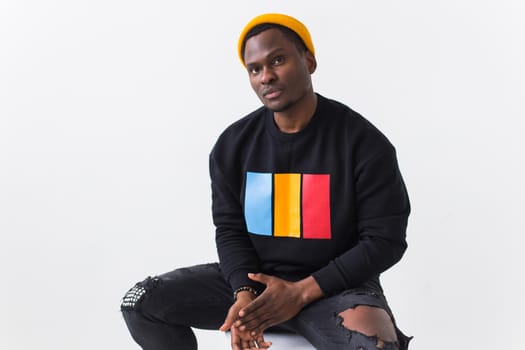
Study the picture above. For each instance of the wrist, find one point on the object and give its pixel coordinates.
(244, 291)
(310, 290)
(244, 297)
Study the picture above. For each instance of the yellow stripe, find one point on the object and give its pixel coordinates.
(287, 205)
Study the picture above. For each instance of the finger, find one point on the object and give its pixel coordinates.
(261, 342)
(250, 316)
(250, 320)
(228, 322)
(253, 306)
(248, 344)
(230, 318)
(261, 327)
(248, 324)
(235, 342)
(253, 324)
(259, 277)
(257, 326)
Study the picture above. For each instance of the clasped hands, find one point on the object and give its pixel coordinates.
(249, 316)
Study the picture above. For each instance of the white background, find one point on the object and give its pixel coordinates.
(108, 110)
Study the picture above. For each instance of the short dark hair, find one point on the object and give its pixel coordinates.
(288, 33)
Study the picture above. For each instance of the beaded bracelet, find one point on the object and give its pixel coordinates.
(244, 289)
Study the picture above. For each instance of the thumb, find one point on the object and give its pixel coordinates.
(259, 277)
(230, 318)
(226, 325)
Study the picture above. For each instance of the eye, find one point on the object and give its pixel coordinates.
(254, 70)
(278, 60)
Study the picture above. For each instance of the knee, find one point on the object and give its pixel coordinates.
(373, 324)
(134, 298)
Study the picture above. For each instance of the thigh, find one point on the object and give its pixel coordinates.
(196, 296)
(321, 322)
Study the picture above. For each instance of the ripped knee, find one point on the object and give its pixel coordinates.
(373, 324)
(136, 294)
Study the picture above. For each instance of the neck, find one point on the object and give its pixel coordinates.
(295, 118)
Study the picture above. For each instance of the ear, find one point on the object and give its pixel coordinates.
(311, 62)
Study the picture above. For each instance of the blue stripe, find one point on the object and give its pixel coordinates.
(258, 203)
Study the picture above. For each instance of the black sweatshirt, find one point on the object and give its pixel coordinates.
(328, 201)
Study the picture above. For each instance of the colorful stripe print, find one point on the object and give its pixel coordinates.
(288, 205)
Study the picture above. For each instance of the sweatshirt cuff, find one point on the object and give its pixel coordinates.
(240, 278)
(330, 279)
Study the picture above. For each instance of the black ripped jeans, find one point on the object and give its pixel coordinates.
(160, 312)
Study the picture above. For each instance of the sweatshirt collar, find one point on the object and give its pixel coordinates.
(292, 137)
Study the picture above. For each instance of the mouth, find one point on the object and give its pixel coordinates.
(271, 94)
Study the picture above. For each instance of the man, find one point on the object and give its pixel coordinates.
(310, 208)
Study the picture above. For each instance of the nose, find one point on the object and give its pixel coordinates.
(267, 75)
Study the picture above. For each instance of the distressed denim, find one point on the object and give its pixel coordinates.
(160, 312)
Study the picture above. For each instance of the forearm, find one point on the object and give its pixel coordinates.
(310, 290)
(238, 258)
(237, 255)
(366, 260)
(381, 221)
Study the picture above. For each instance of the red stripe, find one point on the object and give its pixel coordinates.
(316, 207)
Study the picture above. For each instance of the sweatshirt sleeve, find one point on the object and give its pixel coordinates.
(382, 213)
(237, 255)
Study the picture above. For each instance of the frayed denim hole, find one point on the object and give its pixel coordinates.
(339, 324)
(354, 337)
(133, 298)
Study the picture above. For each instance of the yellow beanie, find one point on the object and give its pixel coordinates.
(276, 18)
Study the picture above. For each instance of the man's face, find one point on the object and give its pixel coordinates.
(279, 72)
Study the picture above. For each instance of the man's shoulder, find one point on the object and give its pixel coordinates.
(241, 130)
(249, 121)
(340, 112)
(358, 128)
